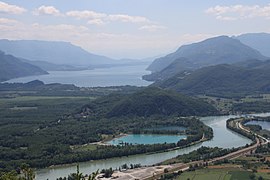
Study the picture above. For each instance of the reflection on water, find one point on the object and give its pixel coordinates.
(147, 139)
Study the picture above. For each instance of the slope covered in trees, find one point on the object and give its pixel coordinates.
(153, 101)
(148, 102)
(229, 80)
(12, 67)
(213, 51)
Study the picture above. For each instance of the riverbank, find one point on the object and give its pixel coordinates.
(105, 143)
(217, 123)
(259, 140)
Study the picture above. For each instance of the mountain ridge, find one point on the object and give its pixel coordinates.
(212, 51)
(12, 67)
(258, 41)
(222, 80)
(57, 52)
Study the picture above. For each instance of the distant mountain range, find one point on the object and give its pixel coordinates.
(30, 57)
(12, 67)
(213, 51)
(53, 52)
(238, 79)
(258, 41)
(54, 67)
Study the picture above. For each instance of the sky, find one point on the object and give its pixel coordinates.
(131, 28)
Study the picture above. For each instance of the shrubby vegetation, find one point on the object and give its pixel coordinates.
(264, 149)
(251, 107)
(230, 124)
(203, 153)
(26, 174)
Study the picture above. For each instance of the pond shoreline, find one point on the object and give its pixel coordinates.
(119, 136)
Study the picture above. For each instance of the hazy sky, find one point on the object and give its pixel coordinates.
(131, 28)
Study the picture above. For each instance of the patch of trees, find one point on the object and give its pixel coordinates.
(254, 127)
(231, 125)
(80, 176)
(252, 107)
(204, 153)
(263, 149)
(26, 174)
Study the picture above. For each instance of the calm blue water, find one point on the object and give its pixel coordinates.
(115, 76)
(147, 139)
(263, 124)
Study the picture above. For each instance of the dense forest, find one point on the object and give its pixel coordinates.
(222, 80)
(147, 102)
(42, 129)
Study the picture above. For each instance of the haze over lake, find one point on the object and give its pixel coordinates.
(114, 76)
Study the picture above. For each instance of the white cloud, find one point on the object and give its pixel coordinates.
(97, 22)
(85, 14)
(60, 28)
(237, 12)
(152, 28)
(7, 21)
(127, 18)
(47, 10)
(8, 25)
(225, 18)
(9, 8)
(101, 18)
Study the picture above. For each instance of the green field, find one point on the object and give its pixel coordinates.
(220, 174)
(86, 147)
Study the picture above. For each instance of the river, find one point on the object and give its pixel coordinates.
(223, 137)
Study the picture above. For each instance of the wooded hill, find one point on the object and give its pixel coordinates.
(12, 67)
(244, 78)
(148, 102)
(213, 51)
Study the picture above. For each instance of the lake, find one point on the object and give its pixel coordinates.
(263, 124)
(115, 76)
(147, 139)
(223, 137)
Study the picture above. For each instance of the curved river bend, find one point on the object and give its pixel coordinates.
(223, 137)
